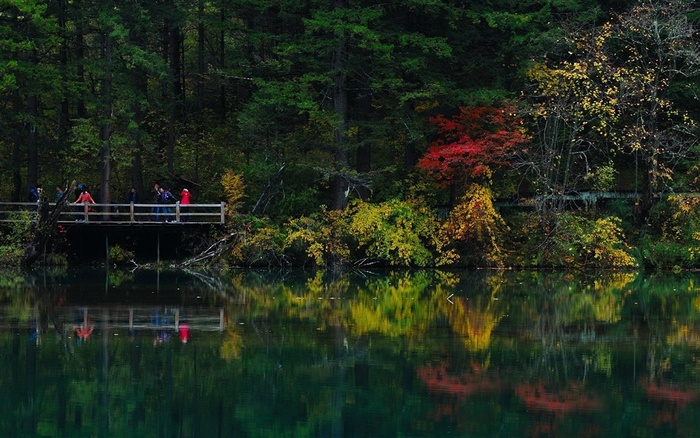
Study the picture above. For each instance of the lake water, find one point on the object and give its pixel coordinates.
(113, 353)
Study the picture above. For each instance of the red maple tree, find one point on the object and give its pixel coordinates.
(473, 143)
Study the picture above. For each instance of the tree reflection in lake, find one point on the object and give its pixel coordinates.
(421, 353)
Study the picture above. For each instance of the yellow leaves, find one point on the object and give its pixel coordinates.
(397, 232)
(234, 188)
(323, 237)
(475, 220)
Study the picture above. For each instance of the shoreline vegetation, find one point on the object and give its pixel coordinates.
(409, 234)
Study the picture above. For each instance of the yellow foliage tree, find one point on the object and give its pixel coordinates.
(476, 223)
(234, 189)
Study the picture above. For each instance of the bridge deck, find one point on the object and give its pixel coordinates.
(123, 214)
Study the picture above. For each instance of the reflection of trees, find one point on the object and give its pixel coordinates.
(309, 368)
(668, 310)
(565, 312)
(232, 344)
(476, 315)
(394, 306)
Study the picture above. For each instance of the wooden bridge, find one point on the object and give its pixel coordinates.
(124, 214)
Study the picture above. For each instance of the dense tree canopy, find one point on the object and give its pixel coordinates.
(317, 103)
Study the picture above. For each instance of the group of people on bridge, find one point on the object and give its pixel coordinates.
(162, 197)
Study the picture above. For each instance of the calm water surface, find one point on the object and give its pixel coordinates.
(113, 353)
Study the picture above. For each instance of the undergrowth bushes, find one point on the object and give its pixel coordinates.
(407, 232)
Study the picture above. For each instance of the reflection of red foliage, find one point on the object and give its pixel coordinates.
(671, 399)
(670, 394)
(437, 380)
(455, 388)
(537, 398)
(553, 405)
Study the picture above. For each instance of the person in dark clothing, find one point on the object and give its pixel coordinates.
(167, 200)
(155, 199)
(133, 196)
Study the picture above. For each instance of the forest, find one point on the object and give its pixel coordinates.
(413, 133)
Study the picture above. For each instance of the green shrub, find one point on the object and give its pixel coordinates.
(11, 255)
(396, 232)
(676, 223)
(120, 256)
(321, 238)
(260, 243)
(582, 243)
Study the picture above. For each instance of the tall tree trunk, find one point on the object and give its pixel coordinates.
(32, 140)
(32, 134)
(340, 105)
(199, 80)
(64, 109)
(141, 85)
(17, 157)
(175, 46)
(81, 110)
(139, 79)
(199, 88)
(106, 123)
(363, 156)
(222, 65)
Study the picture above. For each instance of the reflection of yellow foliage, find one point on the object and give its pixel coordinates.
(685, 335)
(367, 319)
(608, 301)
(394, 308)
(475, 325)
(615, 280)
(232, 345)
(446, 279)
(608, 307)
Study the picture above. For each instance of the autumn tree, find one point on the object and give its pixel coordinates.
(473, 144)
(608, 92)
(471, 147)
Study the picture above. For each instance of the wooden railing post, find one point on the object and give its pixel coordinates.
(131, 212)
(223, 212)
(177, 211)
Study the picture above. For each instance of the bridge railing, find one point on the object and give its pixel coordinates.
(125, 213)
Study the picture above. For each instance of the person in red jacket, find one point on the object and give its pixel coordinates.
(185, 197)
(84, 198)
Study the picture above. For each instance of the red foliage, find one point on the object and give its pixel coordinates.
(473, 143)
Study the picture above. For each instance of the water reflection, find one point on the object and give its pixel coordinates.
(422, 353)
